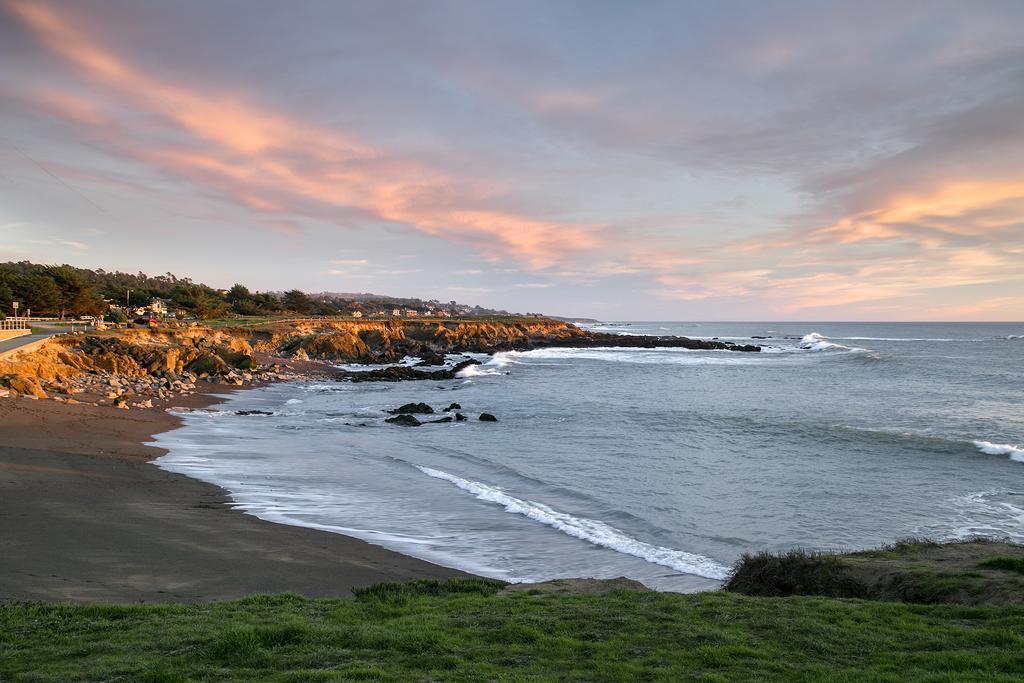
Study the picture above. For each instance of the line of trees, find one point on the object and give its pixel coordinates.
(66, 291)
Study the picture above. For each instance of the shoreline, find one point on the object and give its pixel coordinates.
(89, 518)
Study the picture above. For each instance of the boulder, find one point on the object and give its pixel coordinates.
(431, 358)
(454, 406)
(443, 419)
(487, 417)
(23, 384)
(413, 409)
(404, 420)
(252, 412)
(459, 417)
(208, 364)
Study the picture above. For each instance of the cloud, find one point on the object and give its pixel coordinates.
(350, 262)
(275, 164)
(59, 241)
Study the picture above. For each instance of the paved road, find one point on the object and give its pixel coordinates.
(42, 333)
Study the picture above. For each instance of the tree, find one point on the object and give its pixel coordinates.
(37, 291)
(238, 293)
(242, 301)
(297, 301)
(6, 297)
(200, 302)
(116, 316)
(76, 296)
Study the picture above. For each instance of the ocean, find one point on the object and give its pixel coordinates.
(663, 465)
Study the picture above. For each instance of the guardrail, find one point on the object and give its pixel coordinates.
(14, 324)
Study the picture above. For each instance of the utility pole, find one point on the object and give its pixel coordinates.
(128, 298)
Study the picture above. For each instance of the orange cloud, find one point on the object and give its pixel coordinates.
(930, 218)
(276, 164)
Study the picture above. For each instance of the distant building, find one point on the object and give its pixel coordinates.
(397, 312)
(159, 306)
(357, 314)
(411, 312)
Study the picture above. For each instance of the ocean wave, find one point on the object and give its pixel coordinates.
(937, 443)
(906, 339)
(652, 356)
(1016, 453)
(816, 342)
(590, 530)
(495, 365)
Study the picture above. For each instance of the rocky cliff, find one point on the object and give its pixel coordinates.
(159, 362)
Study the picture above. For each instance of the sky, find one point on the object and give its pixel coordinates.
(663, 161)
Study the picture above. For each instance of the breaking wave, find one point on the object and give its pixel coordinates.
(589, 530)
(495, 365)
(1015, 452)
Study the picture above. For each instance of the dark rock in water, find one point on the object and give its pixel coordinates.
(404, 372)
(404, 420)
(757, 337)
(460, 417)
(252, 412)
(487, 417)
(454, 406)
(443, 419)
(412, 409)
(430, 358)
(462, 365)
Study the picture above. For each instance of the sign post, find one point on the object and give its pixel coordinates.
(14, 305)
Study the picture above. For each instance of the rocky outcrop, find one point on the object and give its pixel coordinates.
(413, 409)
(159, 362)
(404, 421)
(23, 384)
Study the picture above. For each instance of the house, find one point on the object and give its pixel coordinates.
(411, 312)
(397, 312)
(159, 306)
(357, 314)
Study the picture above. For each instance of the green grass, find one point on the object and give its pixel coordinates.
(1010, 564)
(462, 631)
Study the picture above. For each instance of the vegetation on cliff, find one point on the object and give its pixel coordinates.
(970, 572)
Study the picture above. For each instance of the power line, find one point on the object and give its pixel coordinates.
(55, 177)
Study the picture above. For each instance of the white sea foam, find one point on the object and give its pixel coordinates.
(590, 530)
(477, 371)
(814, 341)
(982, 513)
(1015, 452)
(655, 356)
(495, 365)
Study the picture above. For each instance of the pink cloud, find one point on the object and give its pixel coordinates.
(274, 164)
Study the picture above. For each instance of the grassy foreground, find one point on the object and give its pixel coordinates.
(462, 630)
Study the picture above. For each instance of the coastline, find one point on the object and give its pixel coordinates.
(89, 518)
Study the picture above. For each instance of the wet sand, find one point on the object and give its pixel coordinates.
(84, 517)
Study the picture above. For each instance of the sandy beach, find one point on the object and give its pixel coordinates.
(85, 517)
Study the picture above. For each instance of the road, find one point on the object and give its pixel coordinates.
(43, 331)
